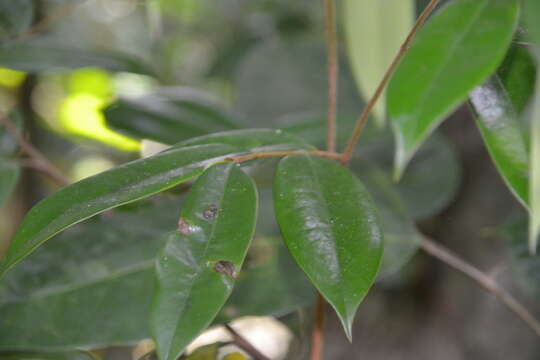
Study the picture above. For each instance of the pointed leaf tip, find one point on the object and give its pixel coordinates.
(329, 224)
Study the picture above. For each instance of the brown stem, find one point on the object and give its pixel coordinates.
(317, 342)
(332, 70)
(263, 155)
(362, 119)
(245, 345)
(38, 160)
(485, 281)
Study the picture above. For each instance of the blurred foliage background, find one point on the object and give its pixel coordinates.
(87, 79)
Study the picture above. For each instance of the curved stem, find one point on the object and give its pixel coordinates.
(485, 281)
(245, 345)
(362, 119)
(332, 70)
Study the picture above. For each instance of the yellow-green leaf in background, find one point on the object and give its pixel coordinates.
(374, 32)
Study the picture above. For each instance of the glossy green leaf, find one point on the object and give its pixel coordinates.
(169, 115)
(72, 355)
(518, 74)
(329, 224)
(247, 139)
(32, 57)
(498, 122)
(101, 272)
(15, 17)
(197, 268)
(375, 30)
(9, 175)
(121, 185)
(457, 50)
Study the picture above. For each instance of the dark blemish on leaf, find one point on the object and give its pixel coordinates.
(210, 212)
(225, 267)
(183, 227)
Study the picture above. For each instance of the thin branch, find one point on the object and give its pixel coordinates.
(482, 279)
(362, 119)
(245, 345)
(37, 159)
(264, 155)
(317, 342)
(49, 21)
(332, 70)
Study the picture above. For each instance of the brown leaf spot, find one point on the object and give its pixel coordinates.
(210, 212)
(225, 267)
(183, 227)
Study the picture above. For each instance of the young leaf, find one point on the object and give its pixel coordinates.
(121, 185)
(197, 268)
(534, 185)
(498, 123)
(328, 222)
(169, 115)
(532, 15)
(31, 57)
(457, 50)
(375, 30)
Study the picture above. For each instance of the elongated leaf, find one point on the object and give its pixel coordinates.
(375, 30)
(248, 139)
(169, 115)
(31, 57)
(100, 273)
(9, 175)
(121, 185)
(532, 15)
(534, 184)
(15, 17)
(329, 224)
(498, 123)
(456, 51)
(197, 268)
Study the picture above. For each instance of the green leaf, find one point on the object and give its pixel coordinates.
(72, 355)
(31, 57)
(9, 175)
(518, 74)
(169, 115)
(207, 352)
(249, 139)
(456, 51)
(329, 224)
(196, 269)
(375, 30)
(121, 185)
(498, 123)
(15, 17)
